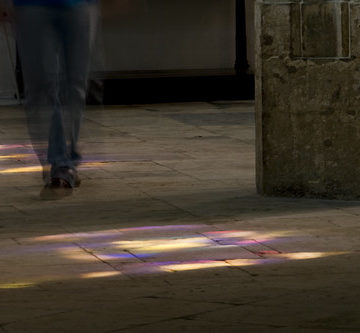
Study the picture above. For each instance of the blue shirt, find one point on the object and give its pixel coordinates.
(51, 3)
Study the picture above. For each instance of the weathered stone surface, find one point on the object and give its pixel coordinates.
(308, 79)
(324, 29)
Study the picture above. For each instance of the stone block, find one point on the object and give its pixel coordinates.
(308, 118)
(324, 29)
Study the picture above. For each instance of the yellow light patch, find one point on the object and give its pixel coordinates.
(308, 255)
(92, 164)
(50, 238)
(173, 246)
(243, 262)
(17, 285)
(158, 245)
(194, 266)
(16, 156)
(74, 236)
(95, 275)
(37, 168)
(76, 255)
(232, 234)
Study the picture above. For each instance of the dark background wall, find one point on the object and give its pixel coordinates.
(152, 38)
(169, 35)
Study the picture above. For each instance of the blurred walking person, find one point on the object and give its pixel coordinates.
(55, 39)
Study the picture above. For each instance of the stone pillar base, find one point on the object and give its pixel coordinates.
(308, 98)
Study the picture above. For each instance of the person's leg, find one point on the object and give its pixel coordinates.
(38, 42)
(77, 26)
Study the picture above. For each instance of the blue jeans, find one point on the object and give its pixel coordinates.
(55, 47)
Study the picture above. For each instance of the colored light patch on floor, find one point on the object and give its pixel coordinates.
(38, 168)
(206, 264)
(304, 255)
(110, 233)
(92, 164)
(13, 146)
(160, 245)
(18, 285)
(17, 156)
(194, 265)
(22, 170)
(165, 227)
(246, 242)
(97, 275)
(230, 234)
(117, 256)
(141, 255)
(245, 235)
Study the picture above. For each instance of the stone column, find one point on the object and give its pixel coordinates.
(308, 98)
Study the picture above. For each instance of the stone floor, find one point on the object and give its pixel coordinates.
(167, 233)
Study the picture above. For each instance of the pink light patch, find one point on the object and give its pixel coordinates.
(4, 147)
(165, 227)
(225, 232)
